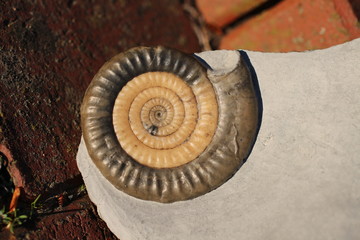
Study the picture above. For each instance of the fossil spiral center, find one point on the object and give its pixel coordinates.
(163, 122)
(158, 115)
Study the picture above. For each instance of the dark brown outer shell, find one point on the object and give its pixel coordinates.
(231, 144)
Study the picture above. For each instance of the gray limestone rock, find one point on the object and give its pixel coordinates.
(302, 179)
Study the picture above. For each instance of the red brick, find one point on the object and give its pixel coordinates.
(219, 13)
(296, 25)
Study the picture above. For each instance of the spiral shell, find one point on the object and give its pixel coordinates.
(158, 129)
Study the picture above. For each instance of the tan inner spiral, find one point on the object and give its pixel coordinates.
(161, 122)
(159, 112)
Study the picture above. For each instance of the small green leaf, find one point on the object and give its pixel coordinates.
(8, 219)
(12, 228)
(33, 204)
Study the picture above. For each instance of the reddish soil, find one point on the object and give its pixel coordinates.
(49, 52)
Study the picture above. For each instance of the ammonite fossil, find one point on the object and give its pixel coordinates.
(159, 128)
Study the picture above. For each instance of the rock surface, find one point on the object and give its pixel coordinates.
(302, 178)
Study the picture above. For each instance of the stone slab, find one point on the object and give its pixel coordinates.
(301, 180)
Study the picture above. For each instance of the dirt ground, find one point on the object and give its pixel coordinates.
(49, 52)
